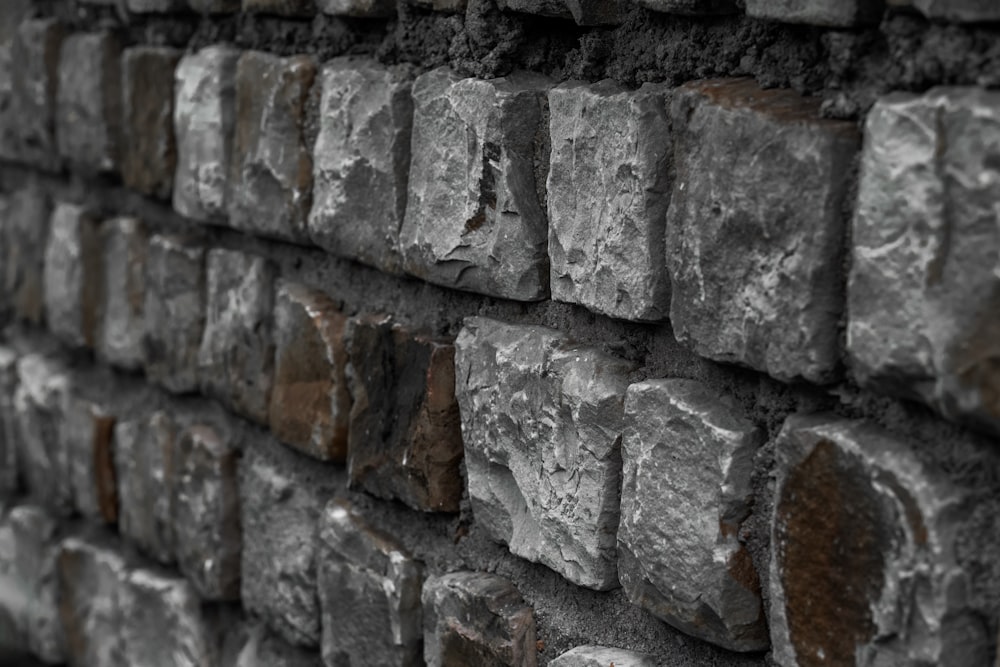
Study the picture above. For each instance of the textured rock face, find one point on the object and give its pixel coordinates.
(477, 138)
(924, 286)
(10, 482)
(755, 273)
(601, 656)
(405, 429)
(473, 618)
(362, 159)
(691, 7)
(86, 431)
(544, 472)
(831, 13)
(358, 8)
(24, 232)
(369, 593)
(270, 181)
(877, 581)
(119, 339)
(281, 7)
(204, 117)
(608, 191)
(149, 150)
(73, 275)
(40, 400)
(687, 461)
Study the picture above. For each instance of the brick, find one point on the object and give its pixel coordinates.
(87, 430)
(89, 102)
(24, 234)
(236, 356)
(267, 649)
(155, 6)
(362, 159)
(73, 275)
(755, 271)
(405, 429)
(122, 326)
(544, 472)
(845, 588)
(602, 656)
(369, 592)
(922, 288)
(215, 6)
(830, 13)
(204, 121)
(960, 11)
(292, 8)
(473, 217)
(358, 8)
(608, 191)
(310, 406)
(687, 462)
(271, 170)
(692, 7)
(149, 155)
(10, 481)
(474, 618)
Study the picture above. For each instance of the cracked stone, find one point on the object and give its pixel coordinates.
(24, 234)
(40, 399)
(73, 275)
(601, 656)
(119, 339)
(87, 437)
(149, 157)
(829, 13)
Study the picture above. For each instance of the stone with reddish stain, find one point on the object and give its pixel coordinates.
(864, 567)
(25, 221)
(602, 656)
(10, 481)
(291, 8)
(87, 429)
(691, 7)
(405, 429)
(73, 275)
(829, 13)
(149, 157)
(687, 459)
(924, 286)
(119, 339)
(474, 618)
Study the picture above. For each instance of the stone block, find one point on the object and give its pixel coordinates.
(358, 8)
(149, 155)
(270, 180)
(543, 472)
(755, 270)
(924, 286)
(687, 460)
(361, 160)
(555, 8)
(405, 429)
(876, 581)
(473, 216)
(369, 594)
(24, 235)
(692, 7)
(290, 8)
(608, 190)
(959, 11)
(215, 6)
(10, 480)
(236, 356)
(266, 649)
(204, 118)
(602, 656)
(155, 6)
(87, 430)
(474, 618)
(73, 275)
(122, 325)
(12, 13)
(828, 13)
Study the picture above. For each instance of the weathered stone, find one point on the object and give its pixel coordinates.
(832, 13)
(369, 594)
(924, 286)
(204, 118)
(155, 6)
(362, 159)
(270, 181)
(755, 269)
(174, 311)
(544, 471)
(474, 618)
(602, 656)
(236, 357)
(215, 6)
(86, 431)
(10, 481)
(864, 569)
(12, 13)
(405, 431)
(119, 339)
(961, 11)
(89, 101)
(358, 8)
(691, 7)
(473, 217)
(292, 8)
(608, 191)
(310, 406)
(73, 275)
(42, 390)
(24, 235)
(687, 461)
(149, 150)
(265, 649)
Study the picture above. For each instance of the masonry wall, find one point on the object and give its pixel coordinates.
(555, 332)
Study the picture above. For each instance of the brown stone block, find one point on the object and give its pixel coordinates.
(87, 433)
(149, 149)
(73, 275)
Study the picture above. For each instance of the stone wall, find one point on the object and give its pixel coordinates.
(536, 332)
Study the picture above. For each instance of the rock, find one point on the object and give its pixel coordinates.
(362, 159)
(692, 7)
(270, 180)
(10, 481)
(405, 429)
(608, 190)
(961, 11)
(601, 656)
(215, 6)
(149, 150)
(478, 138)
(156, 6)
(369, 594)
(755, 270)
(73, 275)
(24, 235)
(265, 649)
(87, 429)
(829, 13)
(292, 8)
(474, 618)
(358, 8)
(687, 459)
(119, 339)
(543, 472)
(924, 288)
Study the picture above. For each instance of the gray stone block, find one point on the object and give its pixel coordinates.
(602, 656)
(473, 217)
(73, 275)
(692, 7)
(829, 13)
(687, 461)
(122, 325)
(87, 430)
(543, 472)
(556, 8)
(149, 150)
(10, 480)
(291, 8)
(960, 11)
(608, 190)
(358, 8)
(265, 649)
(24, 235)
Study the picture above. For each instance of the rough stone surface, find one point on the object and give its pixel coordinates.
(691, 7)
(73, 275)
(961, 11)
(608, 191)
(270, 181)
(474, 618)
(473, 217)
(755, 227)
(119, 340)
(369, 593)
(876, 581)
(266, 649)
(149, 157)
(596, 12)
(155, 6)
(687, 459)
(87, 430)
(405, 429)
(292, 8)
(10, 480)
(830, 13)
(24, 234)
(362, 159)
(310, 405)
(358, 8)
(215, 6)
(204, 118)
(40, 400)
(602, 656)
(543, 472)
(236, 357)
(556, 8)
(924, 286)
